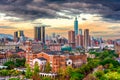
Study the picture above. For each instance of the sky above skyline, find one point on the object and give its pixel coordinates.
(102, 17)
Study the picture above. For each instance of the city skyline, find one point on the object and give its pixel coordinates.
(101, 19)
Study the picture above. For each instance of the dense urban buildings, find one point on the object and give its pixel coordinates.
(56, 51)
(82, 43)
(77, 39)
(57, 59)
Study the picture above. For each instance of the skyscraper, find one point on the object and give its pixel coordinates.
(18, 34)
(79, 40)
(80, 31)
(86, 39)
(71, 38)
(43, 34)
(39, 33)
(15, 34)
(76, 26)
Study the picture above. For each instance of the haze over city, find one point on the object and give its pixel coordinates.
(102, 17)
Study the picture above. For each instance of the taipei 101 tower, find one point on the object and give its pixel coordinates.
(76, 26)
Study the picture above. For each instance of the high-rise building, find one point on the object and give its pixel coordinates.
(15, 36)
(79, 40)
(71, 38)
(43, 34)
(39, 33)
(76, 26)
(53, 35)
(86, 38)
(80, 31)
(18, 34)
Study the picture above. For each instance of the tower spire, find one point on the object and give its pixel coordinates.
(76, 18)
(76, 26)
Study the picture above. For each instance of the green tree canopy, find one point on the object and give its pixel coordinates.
(28, 73)
(47, 67)
(10, 64)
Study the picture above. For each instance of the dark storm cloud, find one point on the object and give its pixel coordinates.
(84, 19)
(34, 9)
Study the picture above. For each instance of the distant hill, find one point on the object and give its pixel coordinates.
(8, 36)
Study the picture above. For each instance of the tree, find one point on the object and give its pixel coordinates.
(112, 76)
(76, 76)
(110, 61)
(46, 78)
(20, 62)
(99, 74)
(36, 71)
(65, 74)
(9, 64)
(15, 63)
(14, 79)
(36, 68)
(69, 71)
(47, 67)
(4, 72)
(90, 77)
(28, 73)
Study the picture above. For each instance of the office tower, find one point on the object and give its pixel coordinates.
(76, 26)
(53, 35)
(79, 40)
(43, 34)
(80, 31)
(20, 33)
(92, 41)
(86, 38)
(15, 35)
(89, 41)
(46, 37)
(71, 38)
(39, 33)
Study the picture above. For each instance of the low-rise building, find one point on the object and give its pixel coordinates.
(56, 59)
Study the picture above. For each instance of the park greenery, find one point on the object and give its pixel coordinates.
(12, 72)
(15, 63)
(14, 79)
(90, 71)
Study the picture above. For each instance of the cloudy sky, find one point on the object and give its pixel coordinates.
(102, 17)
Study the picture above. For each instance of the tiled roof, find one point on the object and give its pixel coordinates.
(42, 58)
